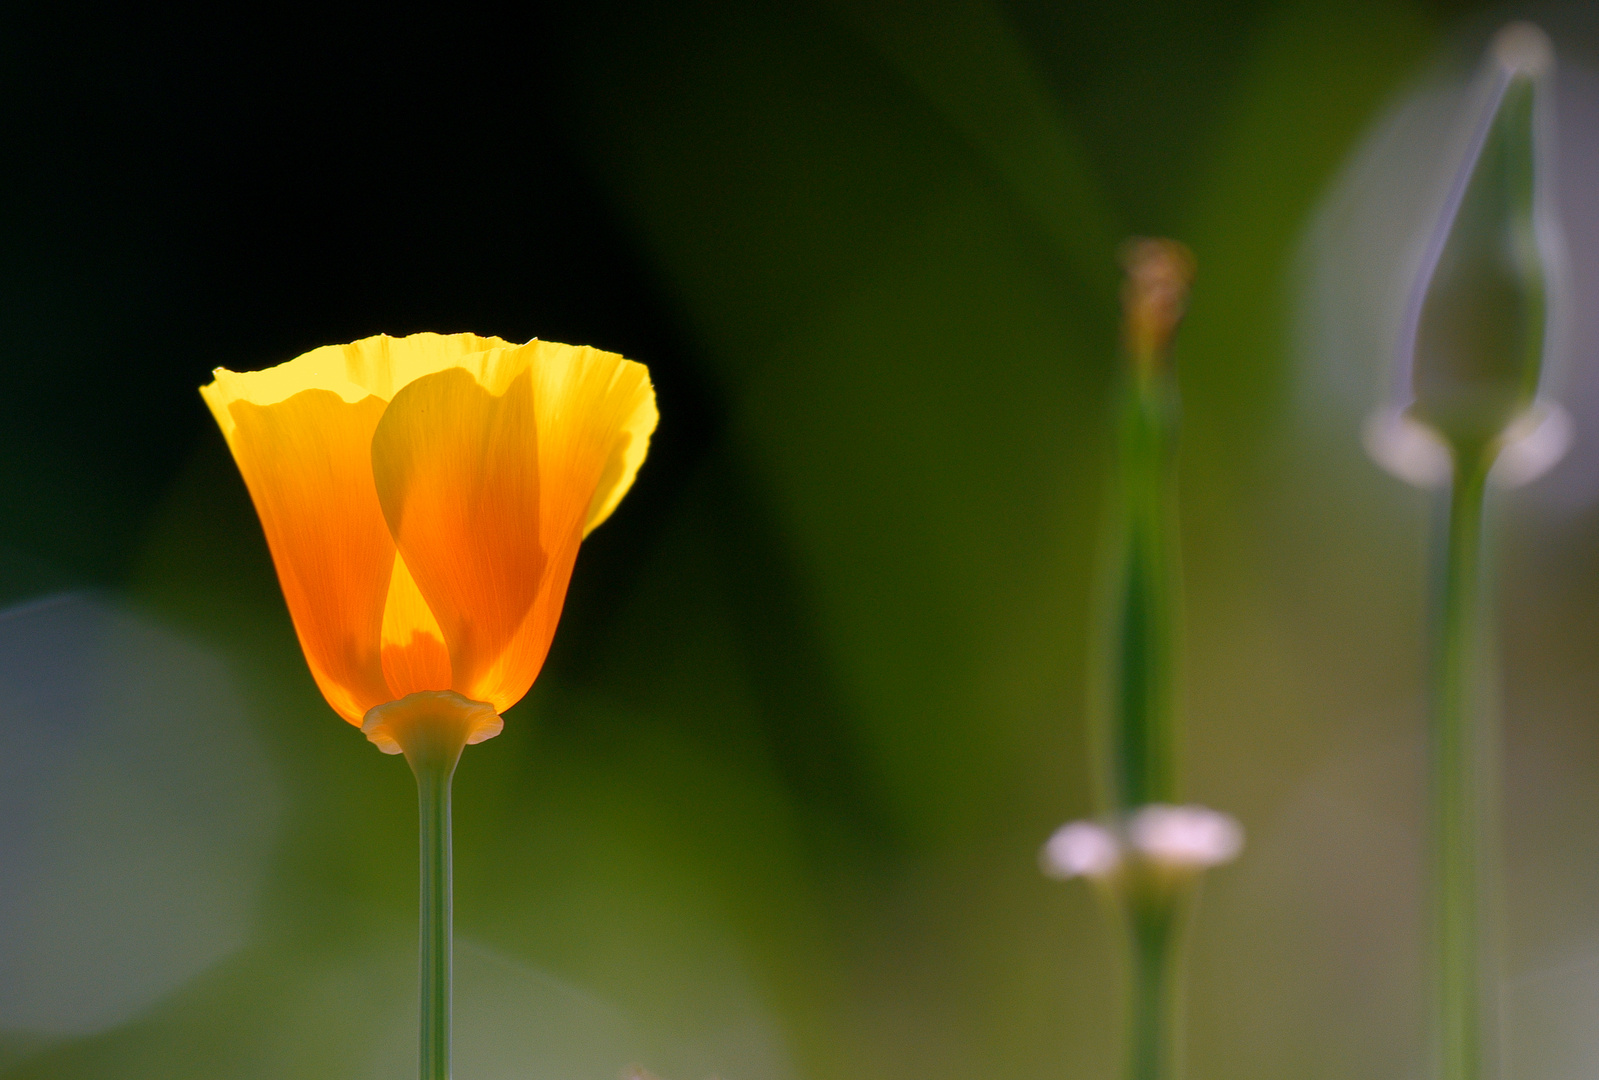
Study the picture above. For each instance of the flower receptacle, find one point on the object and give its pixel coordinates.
(431, 727)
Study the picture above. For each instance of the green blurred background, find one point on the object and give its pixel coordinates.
(818, 696)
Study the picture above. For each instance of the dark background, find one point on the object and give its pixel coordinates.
(187, 191)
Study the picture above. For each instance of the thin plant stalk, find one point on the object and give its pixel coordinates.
(1141, 738)
(1145, 852)
(1480, 312)
(1460, 784)
(1152, 1007)
(433, 753)
(432, 727)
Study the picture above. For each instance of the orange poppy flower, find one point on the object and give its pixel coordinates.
(424, 497)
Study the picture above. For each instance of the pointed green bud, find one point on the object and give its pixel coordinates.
(1480, 308)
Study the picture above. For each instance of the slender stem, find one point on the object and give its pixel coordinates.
(432, 727)
(433, 749)
(1143, 739)
(1140, 740)
(1458, 795)
(1152, 1005)
(1143, 721)
(433, 804)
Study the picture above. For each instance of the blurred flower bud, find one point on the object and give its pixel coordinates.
(1478, 314)
(1154, 296)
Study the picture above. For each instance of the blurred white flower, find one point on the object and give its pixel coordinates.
(1080, 849)
(1166, 837)
(1413, 452)
(1407, 448)
(1185, 837)
(1534, 444)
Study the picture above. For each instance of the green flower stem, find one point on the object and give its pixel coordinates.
(1153, 987)
(1138, 742)
(1143, 739)
(1459, 795)
(1143, 732)
(432, 727)
(433, 760)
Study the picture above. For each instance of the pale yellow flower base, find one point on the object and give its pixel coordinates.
(430, 721)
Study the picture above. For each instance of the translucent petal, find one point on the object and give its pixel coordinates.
(372, 367)
(385, 365)
(414, 654)
(631, 444)
(457, 475)
(306, 460)
(595, 414)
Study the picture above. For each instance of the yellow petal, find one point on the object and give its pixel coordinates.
(372, 367)
(457, 475)
(305, 459)
(414, 655)
(385, 365)
(595, 413)
(634, 399)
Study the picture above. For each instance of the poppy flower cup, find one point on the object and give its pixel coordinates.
(424, 499)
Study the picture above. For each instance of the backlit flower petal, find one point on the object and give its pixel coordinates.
(305, 459)
(414, 655)
(595, 413)
(456, 469)
(633, 396)
(384, 365)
